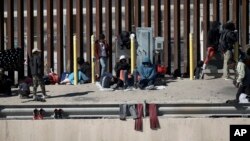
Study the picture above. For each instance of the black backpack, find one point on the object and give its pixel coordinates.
(223, 44)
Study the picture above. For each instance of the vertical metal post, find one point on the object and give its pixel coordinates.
(205, 25)
(128, 15)
(20, 26)
(79, 28)
(225, 7)
(157, 18)
(98, 17)
(191, 55)
(147, 13)
(108, 15)
(245, 23)
(40, 32)
(89, 27)
(59, 46)
(216, 15)
(93, 59)
(167, 35)
(30, 30)
(50, 44)
(2, 25)
(75, 61)
(137, 17)
(69, 47)
(177, 56)
(132, 52)
(186, 35)
(118, 17)
(196, 26)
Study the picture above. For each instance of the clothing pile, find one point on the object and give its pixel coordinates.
(12, 59)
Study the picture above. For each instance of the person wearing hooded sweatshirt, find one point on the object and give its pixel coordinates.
(213, 37)
(227, 40)
(243, 74)
(147, 74)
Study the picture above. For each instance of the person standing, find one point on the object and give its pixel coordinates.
(213, 37)
(36, 71)
(227, 40)
(102, 53)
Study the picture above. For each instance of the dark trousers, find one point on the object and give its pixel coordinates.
(37, 80)
(146, 82)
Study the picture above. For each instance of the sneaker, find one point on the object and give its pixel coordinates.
(150, 87)
(113, 86)
(56, 116)
(41, 114)
(35, 97)
(128, 89)
(35, 114)
(60, 113)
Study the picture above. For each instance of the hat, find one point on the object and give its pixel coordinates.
(122, 57)
(35, 50)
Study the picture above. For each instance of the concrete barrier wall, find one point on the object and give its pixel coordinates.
(172, 129)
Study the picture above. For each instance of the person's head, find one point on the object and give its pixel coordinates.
(102, 37)
(215, 25)
(146, 62)
(122, 58)
(35, 51)
(80, 60)
(229, 26)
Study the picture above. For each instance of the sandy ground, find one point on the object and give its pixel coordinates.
(176, 91)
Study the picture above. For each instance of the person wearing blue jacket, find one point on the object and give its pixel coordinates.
(147, 74)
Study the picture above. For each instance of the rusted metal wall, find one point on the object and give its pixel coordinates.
(86, 17)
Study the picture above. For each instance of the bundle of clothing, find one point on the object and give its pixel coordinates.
(12, 59)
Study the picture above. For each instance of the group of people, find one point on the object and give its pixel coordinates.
(223, 42)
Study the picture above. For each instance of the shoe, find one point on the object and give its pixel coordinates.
(56, 116)
(42, 99)
(35, 114)
(60, 113)
(41, 114)
(113, 86)
(128, 89)
(150, 87)
(227, 78)
(35, 97)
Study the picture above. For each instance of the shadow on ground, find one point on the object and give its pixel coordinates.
(71, 94)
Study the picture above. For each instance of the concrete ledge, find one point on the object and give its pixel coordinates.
(171, 129)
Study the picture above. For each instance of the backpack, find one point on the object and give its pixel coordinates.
(24, 89)
(105, 82)
(223, 45)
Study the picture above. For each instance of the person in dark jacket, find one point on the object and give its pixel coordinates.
(227, 40)
(5, 83)
(36, 67)
(84, 73)
(102, 52)
(213, 37)
(122, 68)
(147, 74)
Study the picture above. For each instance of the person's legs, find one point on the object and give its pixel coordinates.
(210, 54)
(41, 83)
(241, 89)
(35, 84)
(103, 62)
(227, 56)
(143, 83)
(82, 77)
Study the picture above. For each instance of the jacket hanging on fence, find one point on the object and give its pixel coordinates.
(127, 109)
(12, 59)
(138, 121)
(153, 115)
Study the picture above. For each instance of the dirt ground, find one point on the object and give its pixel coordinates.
(176, 91)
